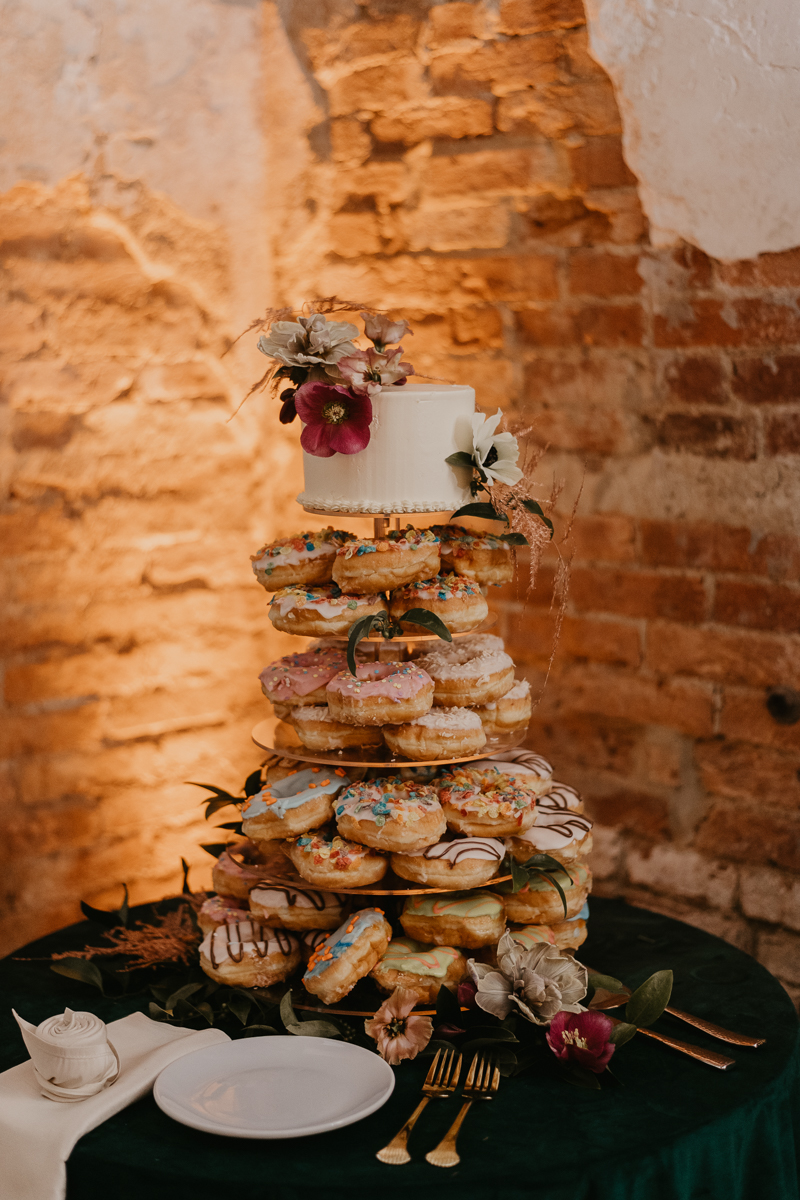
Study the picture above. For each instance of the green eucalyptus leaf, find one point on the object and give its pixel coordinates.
(545, 862)
(492, 1033)
(622, 1033)
(460, 459)
(428, 620)
(214, 806)
(80, 969)
(240, 1007)
(436, 1044)
(552, 880)
(514, 539)
(580, 1076)
(100, 915)
(487, 512)
(185, 889)
(124, 909)
(358, 631)
(210, 787)
(649, 1001)
(538, 511)
(323, 1029)
(237, 825)
(252, 785)
(607, 982)
(182, 993)
(205, 1011)
(214, 848)
(519, 876)
(258, 1031)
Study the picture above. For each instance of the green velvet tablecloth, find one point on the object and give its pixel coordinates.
(676, 1130)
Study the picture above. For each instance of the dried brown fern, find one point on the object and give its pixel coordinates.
(172, 938)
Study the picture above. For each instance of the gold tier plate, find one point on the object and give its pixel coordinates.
(277, 737)
(390, 885)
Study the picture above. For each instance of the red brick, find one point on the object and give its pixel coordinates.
(593, 742)
(582, 638)
(772, 607)
(783, 434)
(679, 704)
(737, 769)
(696, 380)
(705, 545)
(632, 812)
(768, 270)
(752, 835)
(504, 66)
(773, 380)
(537, 16)
(695, 266)
(513, 278)
(711, 434)
(729, 657)
(592, 325)
(566, 221)
(503, 172)
(638, 593)
(599, 163)
(604, 275)
(603, 538)
(361, 39)
(377, 88)
(743, 322)
(452, 22)
(745, 717)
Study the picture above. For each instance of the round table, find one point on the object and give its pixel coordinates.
(674, 1130)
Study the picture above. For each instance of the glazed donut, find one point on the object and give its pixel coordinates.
(460, 863)
(528, 936)
(509, 712)
(310, 940)
(390, 814)
(418, 968)
(379, 692)
(480, 556)
(531, 769)
(241, 866)
(249, 955)
(221, 910)
(559, 798)
(381, 564)
(347, 955)
(318, 729)
(485, 803)
(465, 679)
(538, 902)
(564, 836)
(313, 612)
(302, 558)
(458, 602)
(569, 935)
(469, 919)
(288, 907)
(327, 862)
(440, 733)
(475, 643)
(301, 801)
(298, 679)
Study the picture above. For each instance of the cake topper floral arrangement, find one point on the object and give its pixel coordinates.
(331, 381)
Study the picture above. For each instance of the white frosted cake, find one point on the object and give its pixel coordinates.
(403, 469)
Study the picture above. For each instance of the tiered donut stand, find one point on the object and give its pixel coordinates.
(278, 738)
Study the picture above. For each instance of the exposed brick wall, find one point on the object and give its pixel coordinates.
(132, 630)
(469, 174)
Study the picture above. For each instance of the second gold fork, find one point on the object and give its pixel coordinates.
(441, 1081)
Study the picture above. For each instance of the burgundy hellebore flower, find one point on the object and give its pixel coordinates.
(336, 421)
(466, 993)
(582, 1038)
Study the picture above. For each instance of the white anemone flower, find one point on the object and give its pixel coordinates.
(495, 454)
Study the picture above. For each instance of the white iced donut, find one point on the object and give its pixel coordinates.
(463, 678)
(248, 954)
(560, 798)
(531, 769)
(318, 729)
(320, 611)
(440, 733)
(288, 907)
(480, 556)
(301, 558)
(509, 712)
(221, 910)
(462, 862)
(381, 564)
(564, 836)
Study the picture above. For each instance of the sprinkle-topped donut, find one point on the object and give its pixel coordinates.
(380, 692)
(335, 861)
(314, 612)
(481, 556)
(338, 851)
(293, 791)
(302, 558)
(382, 800)
(478, 802)
(347, 955)
(457, 601)
(442, 587)
(301, 678)
(462, 677)
(384, 563)
(341, 939)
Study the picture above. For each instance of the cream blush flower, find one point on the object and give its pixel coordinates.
(538, 982)
(582, 1038)
(384, 331)
(367, 371)
(399, 1034)
(336, 421)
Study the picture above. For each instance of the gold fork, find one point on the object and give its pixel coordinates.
(482, 1083)
(440, 1082)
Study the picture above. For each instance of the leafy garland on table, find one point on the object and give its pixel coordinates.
(511, 1009)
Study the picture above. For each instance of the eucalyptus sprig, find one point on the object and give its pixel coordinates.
(383, 624)
(539, 866)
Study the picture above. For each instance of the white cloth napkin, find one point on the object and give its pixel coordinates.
(72, 1056)
(37, 1136)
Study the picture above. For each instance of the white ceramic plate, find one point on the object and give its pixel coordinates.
(274, 1087)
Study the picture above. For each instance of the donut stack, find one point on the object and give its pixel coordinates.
(450, 827)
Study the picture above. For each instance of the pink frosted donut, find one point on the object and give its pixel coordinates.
(301, 678)
(220, 910)
(241, 866)
(380, 693)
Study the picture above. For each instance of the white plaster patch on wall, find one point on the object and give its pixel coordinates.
(709, 92)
